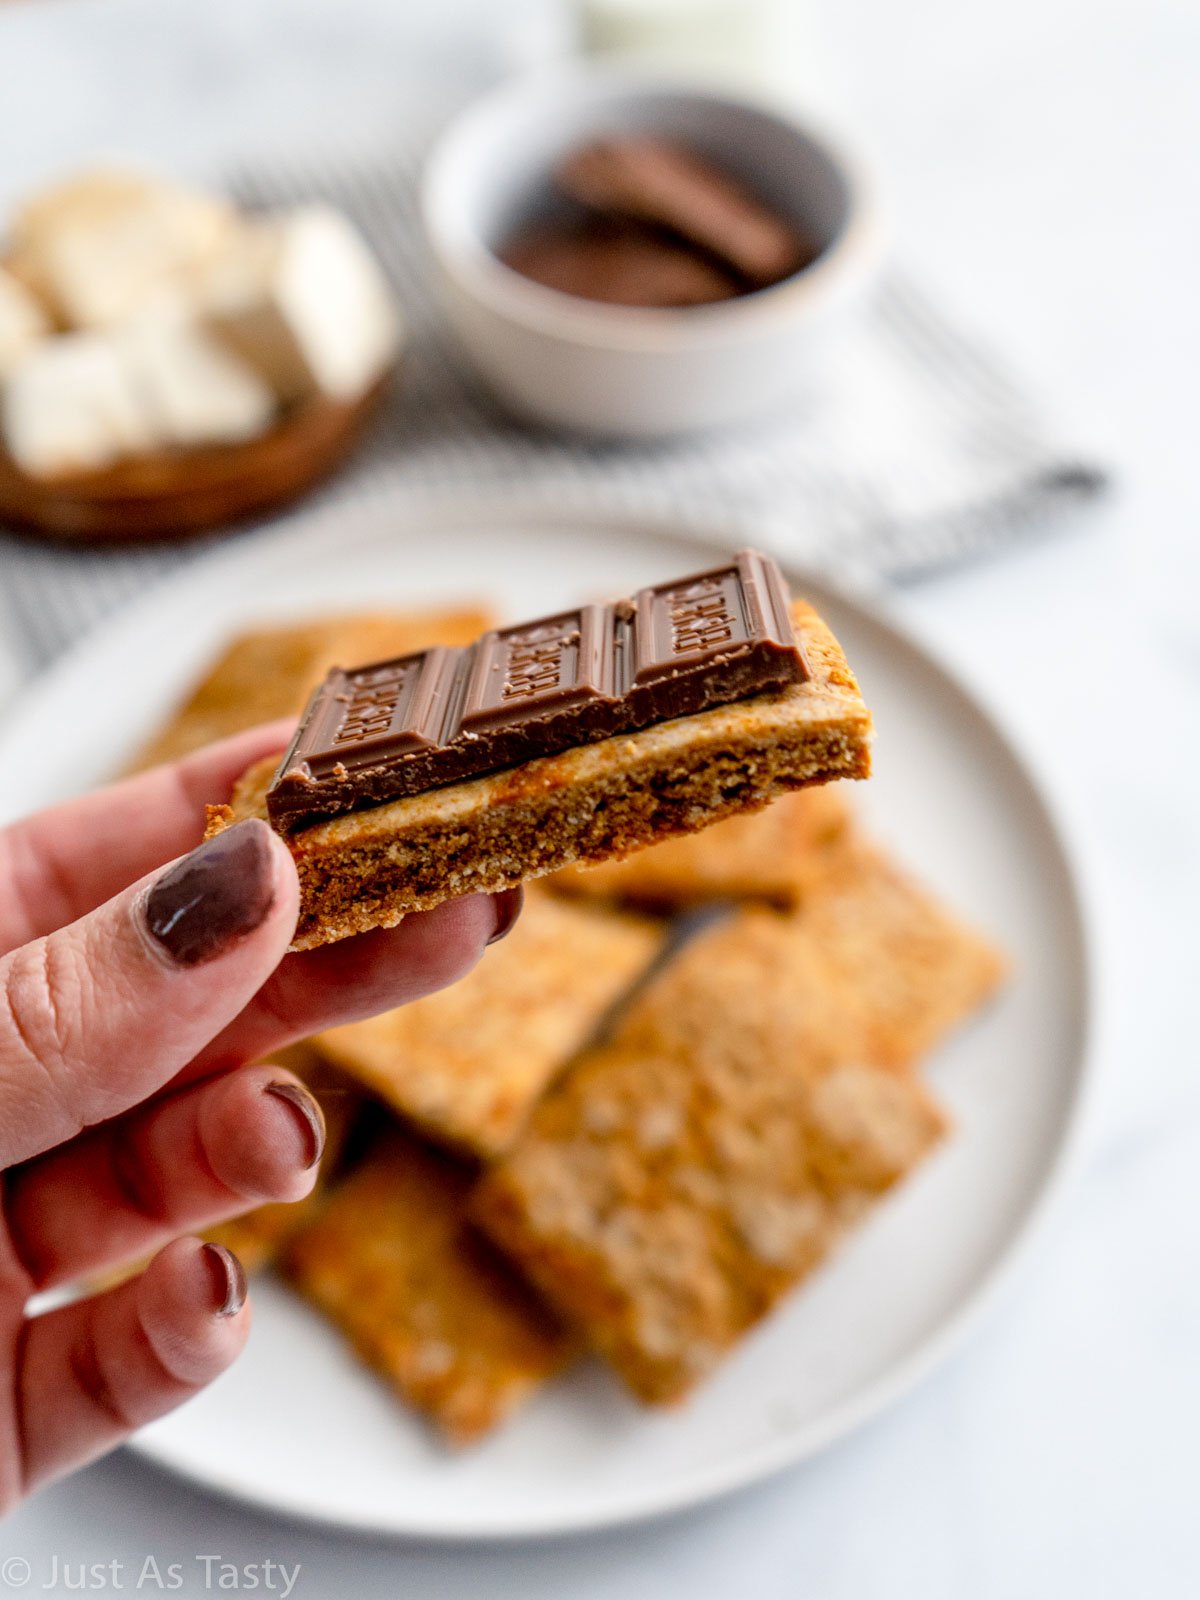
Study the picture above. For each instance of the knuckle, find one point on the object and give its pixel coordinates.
(19, 1266)
(136, 1178)
(100, 1384)
(35, 1018)
(64, 1003)
(280, 1002)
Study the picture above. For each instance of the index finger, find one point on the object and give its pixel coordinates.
(61, 863)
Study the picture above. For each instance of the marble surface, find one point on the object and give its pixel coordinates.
(1037, 159)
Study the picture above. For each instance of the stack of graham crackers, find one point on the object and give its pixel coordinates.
(641, 1121)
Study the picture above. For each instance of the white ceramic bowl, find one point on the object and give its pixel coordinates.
(618, 371)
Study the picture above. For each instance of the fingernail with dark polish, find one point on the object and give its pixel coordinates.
(213, 897)
(228, 1279)
(507, 906)
(308, 1113)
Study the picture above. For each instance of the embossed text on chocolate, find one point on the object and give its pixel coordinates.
(535, 661)
(700, 617)
(373, 705)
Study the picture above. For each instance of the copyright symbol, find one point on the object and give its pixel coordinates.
(16, 1572)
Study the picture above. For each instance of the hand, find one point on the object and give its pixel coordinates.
(131, 999)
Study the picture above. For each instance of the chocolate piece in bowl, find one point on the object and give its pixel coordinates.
(655, 224)
(618, 263)
(662, 719)
(663, 183)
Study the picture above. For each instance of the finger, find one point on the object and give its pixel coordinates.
(174, 1166)
(94, 1371)
(101, 1014)
(362, 977)
(59, 864)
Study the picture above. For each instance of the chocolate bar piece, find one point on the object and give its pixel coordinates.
(369, 868)
(422, 721)
(661, 182)
(619, 263)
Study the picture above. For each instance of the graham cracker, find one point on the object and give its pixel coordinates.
(425, 1301)
(468, 1063)
(777, 855)
(893, 958)
(916, 968)
(679, 1180)
(368, 868)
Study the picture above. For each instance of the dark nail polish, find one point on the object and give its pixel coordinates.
(213, 897)
(228, 1279)
(507, 905)
(309, 1114)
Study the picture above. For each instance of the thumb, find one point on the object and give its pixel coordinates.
(98, 1015)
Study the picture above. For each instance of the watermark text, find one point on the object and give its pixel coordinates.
(198, 1574)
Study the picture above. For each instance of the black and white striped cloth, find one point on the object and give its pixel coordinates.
(918, 451)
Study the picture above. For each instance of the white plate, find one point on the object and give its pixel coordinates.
(297, 1425)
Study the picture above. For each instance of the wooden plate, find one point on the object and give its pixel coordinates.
(181, 493)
